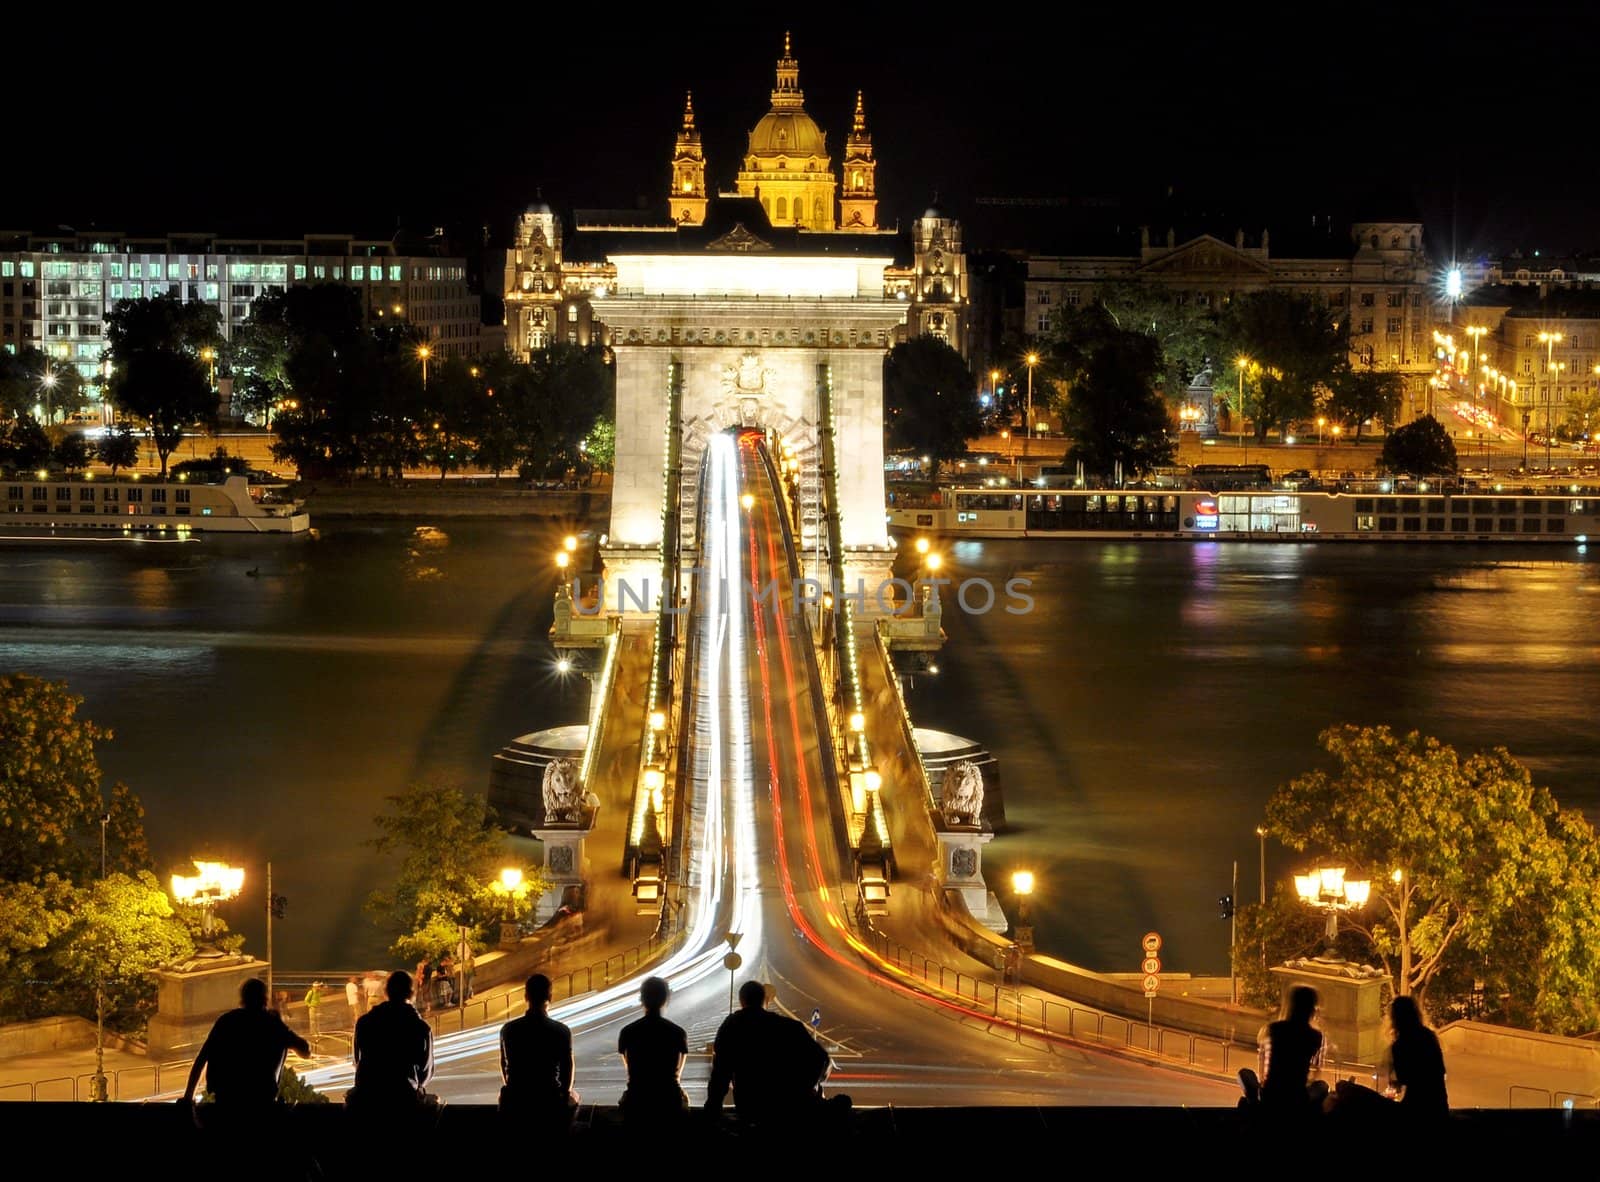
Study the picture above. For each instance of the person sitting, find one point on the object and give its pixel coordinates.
(1291, 1049)
(774, 1066)
(654, 1050)
(1416, 1062)
(243, 1056)
(536, 1064)
(393, 1052)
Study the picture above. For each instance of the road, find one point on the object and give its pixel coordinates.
(772, 870)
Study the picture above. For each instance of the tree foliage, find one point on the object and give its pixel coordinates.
(118, 448)
(928, 400)
(1421, 448)
(1476, 874)
(450, 859)
(51, 800)
(1292, 346)
(157, 375)
(1361, 396)
(1112, 411)
(24, 446)
(70, 449)
(1185, 334)
(30, 378)
(600, 445)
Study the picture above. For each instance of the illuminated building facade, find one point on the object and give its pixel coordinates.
(56, 289)
(555, 289)
(1378, 275)
(1536, 360)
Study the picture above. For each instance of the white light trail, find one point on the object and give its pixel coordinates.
(722, 683)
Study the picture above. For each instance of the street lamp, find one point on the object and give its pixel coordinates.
(511, 884)
(1022, 883)
(1241, 362)
(1555, 376)
(994, 381)
(48, 382)
(1475, 331)
(209, 356)
(1032, 359)
(216, 883)
(97, 1085)
(1261, 836)
(569, 544)
(1326, 889)
(423, 353)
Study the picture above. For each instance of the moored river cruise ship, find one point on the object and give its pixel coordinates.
(147, 505)
(1567, 514)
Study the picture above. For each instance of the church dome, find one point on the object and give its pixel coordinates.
(790, 133)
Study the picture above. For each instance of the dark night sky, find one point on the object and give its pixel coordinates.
(299, 120)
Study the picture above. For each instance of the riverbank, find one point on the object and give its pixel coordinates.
(327, 501)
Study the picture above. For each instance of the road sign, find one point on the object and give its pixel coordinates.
(732, 961)
(733, 939)
(1151, 943)
(1152, 985)
(1150, 966)
(816, 1018)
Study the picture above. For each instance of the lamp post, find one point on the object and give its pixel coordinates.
(48, 382)
(1022, 882)
(1326, 889)
(209, 356)
(994, 385)
(423, 353)
(1549, 340)
(1549, 389)
(97, 1085)
(1032, 359)
(510, 882)
(1240, 363)
(1261, 837)
(1475, 331)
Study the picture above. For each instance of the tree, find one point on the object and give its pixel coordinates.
(169, 391)
(118, 448)
(601, 444)
(23, 444)
(162, 324)
(450, 406)
(71, 450)
(1468, 861)
(1583, 413)
(450, 860)
(1292, 346)
(1420, 448)
(31, 379)
(50, 790)
(929, 400)
(1185, 333)
(1113, 414)
(1361, 396)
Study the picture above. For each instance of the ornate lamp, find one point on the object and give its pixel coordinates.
(1327, 889)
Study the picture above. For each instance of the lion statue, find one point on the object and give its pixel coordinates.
(563, 795)
(961, 797)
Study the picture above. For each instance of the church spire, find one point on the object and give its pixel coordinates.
(858, 199)
(688, 196)
(787, 94)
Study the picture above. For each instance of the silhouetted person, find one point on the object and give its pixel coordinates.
(774, 1065)
(536, 1064)
(1292, 1048)
(1416, 1063)
(654, 1050)
(393, 1053)
(243, 1056)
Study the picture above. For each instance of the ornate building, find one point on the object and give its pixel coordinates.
(555, 284)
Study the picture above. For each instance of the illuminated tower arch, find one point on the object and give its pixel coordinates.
(859, 197)
(788, 158)
(688, 197)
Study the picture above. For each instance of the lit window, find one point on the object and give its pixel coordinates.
(338, 272)
(394, 272)
(211, 292)
(572, 310)
(8, 268)
(299, 270)
(211, 271)
(136, 291)
(319, 271)
(25, 269)
(173, 271)
(136, 270)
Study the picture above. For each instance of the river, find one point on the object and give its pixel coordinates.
(267, 693)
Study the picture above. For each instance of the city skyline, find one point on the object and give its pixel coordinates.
(1151, 118)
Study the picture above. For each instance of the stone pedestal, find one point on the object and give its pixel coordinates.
(1351, 1013)
(632, 578)
(565, 866)
(961, 870)
(866, 575)
(190, 999)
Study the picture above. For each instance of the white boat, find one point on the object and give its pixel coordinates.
(1496, 514)
(142, 504)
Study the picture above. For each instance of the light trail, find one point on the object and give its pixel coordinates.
(733, 882)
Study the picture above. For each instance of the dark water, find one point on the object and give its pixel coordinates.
(1160, 691)
(1142, 713)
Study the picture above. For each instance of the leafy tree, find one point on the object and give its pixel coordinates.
(126, 927)
(450, 404)
(31, 378)
(601, 444)
(71, 450)
(1293, 345)
(162, 324)
(50, 790)
(169, 391)
(1365, 395)
(450, 860)
(118, 448)
(929, 400)
(1583, 414)
(23, 444)
(1421, 448)
(1469, 863)
(1185, 333)
(1113, 414)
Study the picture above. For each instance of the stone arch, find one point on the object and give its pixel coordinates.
(783, 208)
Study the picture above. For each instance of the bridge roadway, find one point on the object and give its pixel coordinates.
(774, 873)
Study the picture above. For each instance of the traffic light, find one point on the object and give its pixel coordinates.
(1226, 904)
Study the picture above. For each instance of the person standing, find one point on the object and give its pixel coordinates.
(374, 984)
(536, 1064)
(654, 1050)
(243, 1055)
(393, 1053)
(423, 983)
(1416, 1062)
(353, 998)
(314, 999)
(469, 968)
